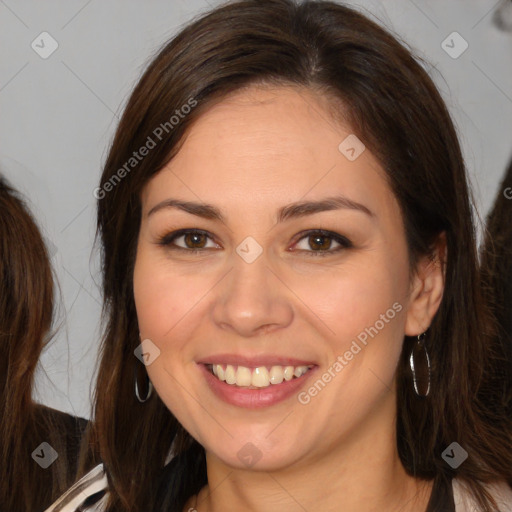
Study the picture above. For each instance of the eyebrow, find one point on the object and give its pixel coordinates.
(290, 211)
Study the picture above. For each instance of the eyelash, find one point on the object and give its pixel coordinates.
(168, 241)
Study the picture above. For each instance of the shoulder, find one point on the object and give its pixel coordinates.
(464, 501)
(89, 494)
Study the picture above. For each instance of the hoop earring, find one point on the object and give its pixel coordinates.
(419, 362)
(149, 387)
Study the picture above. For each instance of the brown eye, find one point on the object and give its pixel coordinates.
(195, 240)
(320, 243)
(191, 240)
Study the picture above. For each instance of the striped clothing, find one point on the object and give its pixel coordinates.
(90, 488)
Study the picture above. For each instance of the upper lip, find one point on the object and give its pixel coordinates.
(255, 361)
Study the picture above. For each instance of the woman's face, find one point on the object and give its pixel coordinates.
(265, 290)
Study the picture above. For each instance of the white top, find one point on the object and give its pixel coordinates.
(501, 492)
(96, 480)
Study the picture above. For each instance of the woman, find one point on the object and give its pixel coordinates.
(289, 254)
(38, 445)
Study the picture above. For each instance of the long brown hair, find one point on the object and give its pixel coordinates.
(26, 314)
(496, 268)
(392, 105)
(26, 310)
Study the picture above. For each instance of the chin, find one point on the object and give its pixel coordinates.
(256, 452)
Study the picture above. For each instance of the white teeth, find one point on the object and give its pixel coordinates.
(300, 370)
(243, 376)
(276, 375)
(230, 374)
(260, 377)
(288, 373)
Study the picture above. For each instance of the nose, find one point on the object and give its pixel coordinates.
(251, 300)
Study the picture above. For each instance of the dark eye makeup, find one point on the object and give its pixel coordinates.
(195, 240)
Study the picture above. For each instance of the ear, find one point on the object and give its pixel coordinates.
(427, 289)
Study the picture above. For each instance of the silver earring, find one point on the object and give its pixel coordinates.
(419, 362)
(149, 387)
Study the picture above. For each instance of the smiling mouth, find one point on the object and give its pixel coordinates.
(256, 378)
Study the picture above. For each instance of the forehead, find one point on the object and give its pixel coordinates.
(262, 122)
(267, 144)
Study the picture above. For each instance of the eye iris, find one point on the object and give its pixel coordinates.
(194, 239)
(319, 242)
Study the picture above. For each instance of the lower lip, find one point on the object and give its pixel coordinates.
(255, 398)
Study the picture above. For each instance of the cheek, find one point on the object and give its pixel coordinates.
(162, 301)
(161, 297)
(349, 299)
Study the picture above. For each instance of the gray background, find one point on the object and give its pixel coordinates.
(58, 116)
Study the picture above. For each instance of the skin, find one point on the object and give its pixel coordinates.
(249, 155)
